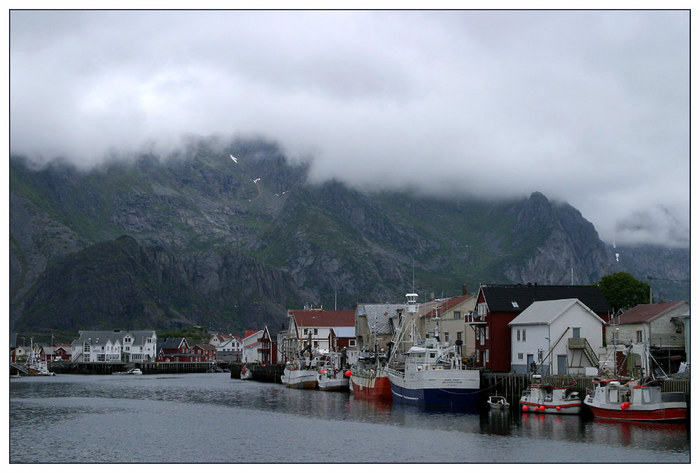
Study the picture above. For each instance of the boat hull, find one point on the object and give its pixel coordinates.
(440, 389)
(342, 385)
(671, 414)
(371, 386)
(300, 379)
(571, 408)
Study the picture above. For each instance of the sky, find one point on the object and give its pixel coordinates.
(589, 107)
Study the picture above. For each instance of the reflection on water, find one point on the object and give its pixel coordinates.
(97, 419)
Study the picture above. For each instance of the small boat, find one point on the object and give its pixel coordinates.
(630, 400)
(548, 399)
(128, 372)
(300, 375)
(498, 402)
(246, 372)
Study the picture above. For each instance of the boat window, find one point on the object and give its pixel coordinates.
(613, 396)
(432, 354)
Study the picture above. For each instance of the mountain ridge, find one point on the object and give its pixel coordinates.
(251, 237)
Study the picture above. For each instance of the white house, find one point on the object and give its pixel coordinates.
(139, 346)
(251, 343)
(556, 337)
(104, 346)
(228, 347)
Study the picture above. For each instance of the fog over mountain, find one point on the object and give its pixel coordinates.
(587, 107)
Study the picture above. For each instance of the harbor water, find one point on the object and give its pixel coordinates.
(213, 418)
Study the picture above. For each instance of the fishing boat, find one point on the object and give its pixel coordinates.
(368, 380)
(432, 374)
(498, 402)
(300, 374)
(631, 400)
(548, 399)
(36, 365)
(332, 379)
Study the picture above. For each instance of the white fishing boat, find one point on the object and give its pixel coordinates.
(548, 399)
(630, 400)
(498, 402)
(432, 374)
(300, 375)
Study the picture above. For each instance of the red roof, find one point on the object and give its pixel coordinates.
(248, 333)
(645, 312)
(323, 318)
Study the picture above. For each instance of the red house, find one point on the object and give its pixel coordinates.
(267, 348)
(173, 350)
(203, 353)
(498, 304)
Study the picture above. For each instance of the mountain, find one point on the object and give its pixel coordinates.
(231, 236)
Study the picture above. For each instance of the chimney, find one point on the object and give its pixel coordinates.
(464, 289)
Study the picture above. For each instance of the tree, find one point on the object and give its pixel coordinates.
(623, 291)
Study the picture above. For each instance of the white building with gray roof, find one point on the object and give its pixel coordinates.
(105, 346)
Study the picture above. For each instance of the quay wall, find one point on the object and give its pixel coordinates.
(265, 373)
(146, 368)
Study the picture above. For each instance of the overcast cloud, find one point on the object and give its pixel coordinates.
(588, 107)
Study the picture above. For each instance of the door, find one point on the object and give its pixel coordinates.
(530, 363)
(561, 364)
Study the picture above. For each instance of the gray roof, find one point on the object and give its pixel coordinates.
(344, 332)
(92, 336)
(546, 312)
(378, 315)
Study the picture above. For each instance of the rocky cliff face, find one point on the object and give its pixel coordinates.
(232, 244)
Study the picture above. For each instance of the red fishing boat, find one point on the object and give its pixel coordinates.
(368, 380)
(630, 400)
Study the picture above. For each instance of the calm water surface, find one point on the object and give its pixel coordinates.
(211, 418)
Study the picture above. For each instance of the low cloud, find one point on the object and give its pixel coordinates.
(589, 107)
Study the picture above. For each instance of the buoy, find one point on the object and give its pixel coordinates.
(624, 405)
(348, 373)
(323, 371)
(558, 408)
(525, 409)
(541, 408)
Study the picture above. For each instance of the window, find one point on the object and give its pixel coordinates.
(482, 308)
(520, 356)
(523, 335)
(351, 343)
(457, 314)
(577, 332)
(639, 336)
(487, 332)
(306, 331)
(486, 356)
(518, 335)
(514, 304)
(315, 331)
